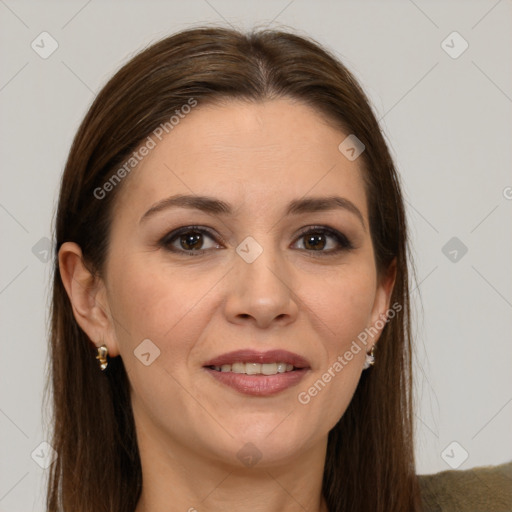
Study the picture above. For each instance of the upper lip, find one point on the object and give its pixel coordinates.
(254, 356)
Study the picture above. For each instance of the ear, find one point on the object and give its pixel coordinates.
(88, 298)
(382, 301)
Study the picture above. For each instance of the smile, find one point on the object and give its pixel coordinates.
(255, 373)
(255, 368)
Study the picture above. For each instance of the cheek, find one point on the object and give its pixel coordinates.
(161, 303)
(343, 303)
(172, 308)
(341, 308)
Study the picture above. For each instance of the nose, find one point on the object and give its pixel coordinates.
(261, 292)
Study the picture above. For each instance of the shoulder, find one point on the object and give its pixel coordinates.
(481, 489)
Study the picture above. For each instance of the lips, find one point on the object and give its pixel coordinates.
(258, 375)
(253, 356)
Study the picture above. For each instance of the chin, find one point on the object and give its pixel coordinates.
(267, 444)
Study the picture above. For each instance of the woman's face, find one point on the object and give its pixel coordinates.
(255, 267)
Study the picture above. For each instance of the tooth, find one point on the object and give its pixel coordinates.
(281, 367)
(255, 368)
(238, 368)
(269, 368)
(252, 368)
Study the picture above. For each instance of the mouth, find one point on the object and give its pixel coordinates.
(258, 373)
(255, 368)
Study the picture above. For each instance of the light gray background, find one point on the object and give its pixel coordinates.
(448, 122)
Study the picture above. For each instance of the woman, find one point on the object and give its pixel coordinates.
(230, 306)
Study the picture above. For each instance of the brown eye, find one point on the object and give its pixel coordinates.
(324, 240)
(189, 240)
(315, 241)
(192, 241)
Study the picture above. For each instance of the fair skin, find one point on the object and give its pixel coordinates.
(296, 296)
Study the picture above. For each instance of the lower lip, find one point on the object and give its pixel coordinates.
(259, 385)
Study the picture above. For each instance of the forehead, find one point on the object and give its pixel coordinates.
(249, 154)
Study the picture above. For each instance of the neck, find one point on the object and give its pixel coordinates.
(179, 479)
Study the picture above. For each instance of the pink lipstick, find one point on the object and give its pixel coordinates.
(258, 373)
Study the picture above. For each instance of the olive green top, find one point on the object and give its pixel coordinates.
(482, 489)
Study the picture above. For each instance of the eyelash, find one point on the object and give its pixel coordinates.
(340, 238)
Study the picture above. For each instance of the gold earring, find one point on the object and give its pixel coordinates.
(370, 359)
(102, 356)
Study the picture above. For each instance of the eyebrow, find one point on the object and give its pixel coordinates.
(214, 206)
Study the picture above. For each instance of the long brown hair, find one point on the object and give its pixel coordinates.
(370, 461)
